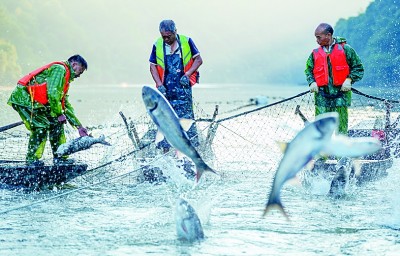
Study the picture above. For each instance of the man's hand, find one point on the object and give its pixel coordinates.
(185, 81)
(346, 86)
(62, 119)
(82, 131)
(313, 87)
(162, 89)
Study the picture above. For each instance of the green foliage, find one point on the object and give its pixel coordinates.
(375, 36)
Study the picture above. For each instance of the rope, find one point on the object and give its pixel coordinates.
(260, 108)
(373, 97)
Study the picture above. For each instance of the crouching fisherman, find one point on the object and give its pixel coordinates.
(41, 100)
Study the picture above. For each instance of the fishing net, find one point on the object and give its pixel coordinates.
(239, 137)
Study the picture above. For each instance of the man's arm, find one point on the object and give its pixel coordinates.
(153, 67)
(197, 61)
(155, 75)
(309, 69)
(70, 114)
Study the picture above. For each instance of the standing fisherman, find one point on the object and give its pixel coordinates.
(331, 70)
(174, 61)
(41, 100)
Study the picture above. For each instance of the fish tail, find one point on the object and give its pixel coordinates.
(275, 205)
(200, 169)
(105, 143)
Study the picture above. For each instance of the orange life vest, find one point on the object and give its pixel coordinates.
(37, 91)
(340, 67)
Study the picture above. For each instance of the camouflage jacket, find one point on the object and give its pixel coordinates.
(55, 77)
(331, 96)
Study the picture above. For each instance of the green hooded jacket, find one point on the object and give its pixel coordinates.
(343, 99)
(55, 77)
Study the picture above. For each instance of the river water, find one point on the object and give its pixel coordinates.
(119, 217)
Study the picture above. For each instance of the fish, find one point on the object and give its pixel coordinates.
(341, 178)
(79, 144)
(316, 138)
(188, 225)
(303, 147)
(172, 128)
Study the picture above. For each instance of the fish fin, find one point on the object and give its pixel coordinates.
(105, 143)
(201, 169)
(277, 206)
(159, 136)
(179, 154)
(282, 145)
(186, 123)
(103, 140)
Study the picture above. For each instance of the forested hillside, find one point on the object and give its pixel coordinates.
(375, 36)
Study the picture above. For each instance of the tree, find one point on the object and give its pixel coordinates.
(374, 35)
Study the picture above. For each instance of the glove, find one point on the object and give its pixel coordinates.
(62, 119)
(162, 89)
(82, 131)
(346, 86)
(185, 81)
(313, 87)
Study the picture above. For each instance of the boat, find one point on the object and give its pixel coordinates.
(18, 175)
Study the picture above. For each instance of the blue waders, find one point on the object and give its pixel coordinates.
(180, 98)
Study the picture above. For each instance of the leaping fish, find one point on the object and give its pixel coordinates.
(170, 126)
(188, 225)
(79, 144)
(341, 178)
(316, 138)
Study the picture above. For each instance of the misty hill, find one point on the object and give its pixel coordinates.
(116, 38)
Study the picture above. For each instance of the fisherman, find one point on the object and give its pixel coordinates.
(41, 100)
(174, 61)
(331, 70)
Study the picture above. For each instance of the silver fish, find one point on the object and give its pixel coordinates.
(79, 144)
(316, 138)
(304, 146)
(341, 179)
(170, 126)
(188, 225)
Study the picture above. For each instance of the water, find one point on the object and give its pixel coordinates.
(118, 217)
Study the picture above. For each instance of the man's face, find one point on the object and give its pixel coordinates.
(168, 37)
(323, 38)
(78, 69)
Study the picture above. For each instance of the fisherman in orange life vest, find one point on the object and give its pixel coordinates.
(174, 61)
(41, 100)
(331, 69)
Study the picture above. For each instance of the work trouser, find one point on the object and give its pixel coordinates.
(343, 116)
(41, 124)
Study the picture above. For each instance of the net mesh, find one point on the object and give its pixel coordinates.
(242, 137)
